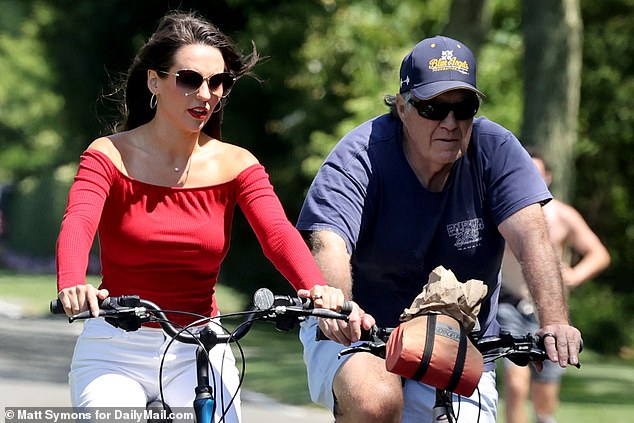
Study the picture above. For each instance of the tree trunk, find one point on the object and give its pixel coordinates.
(553, 33)
(469, 22)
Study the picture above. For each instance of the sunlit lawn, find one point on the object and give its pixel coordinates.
(601, 391)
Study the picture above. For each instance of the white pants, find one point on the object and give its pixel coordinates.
(114, 368)
(322, 365)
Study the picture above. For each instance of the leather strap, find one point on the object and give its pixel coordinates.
(456, 374)
(429, 347)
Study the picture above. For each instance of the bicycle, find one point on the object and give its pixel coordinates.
(131, 312)
(520, 349)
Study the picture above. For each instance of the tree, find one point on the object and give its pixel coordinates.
(552, 83)
(30, 106)
(352, 53)
(470, 22)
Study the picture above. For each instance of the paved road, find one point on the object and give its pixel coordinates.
(35, 358)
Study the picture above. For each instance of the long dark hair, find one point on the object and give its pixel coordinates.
(175, 30)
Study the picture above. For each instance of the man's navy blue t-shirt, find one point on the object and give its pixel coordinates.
(398, 232)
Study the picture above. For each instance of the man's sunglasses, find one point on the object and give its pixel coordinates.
(191, 81)
(438, 110)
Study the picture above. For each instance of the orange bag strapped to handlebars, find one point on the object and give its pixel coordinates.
(434, 349)
(431, 343)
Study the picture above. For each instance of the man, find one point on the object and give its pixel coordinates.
(568, 231)
(423, 186)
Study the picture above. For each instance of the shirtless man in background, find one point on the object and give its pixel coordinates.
(570, 234)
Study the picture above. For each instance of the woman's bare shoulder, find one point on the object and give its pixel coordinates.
(240, 157)
(105, 145)
(230, 160)
(114, 146)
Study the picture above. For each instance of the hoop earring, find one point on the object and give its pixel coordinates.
(153, 101)
(218, 107)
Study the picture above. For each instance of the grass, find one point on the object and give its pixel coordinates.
(600, 392)
(32, 293)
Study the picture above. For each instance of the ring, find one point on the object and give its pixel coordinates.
(547, 334)
(317, 297)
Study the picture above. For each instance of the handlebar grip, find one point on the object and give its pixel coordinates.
(264, 299)
(56, 307)
(347, 308)
(328, 314)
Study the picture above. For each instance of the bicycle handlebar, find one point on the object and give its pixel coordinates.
(130, 312)
(520, 349)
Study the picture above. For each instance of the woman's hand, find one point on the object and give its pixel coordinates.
(82, 297)
(324, 296)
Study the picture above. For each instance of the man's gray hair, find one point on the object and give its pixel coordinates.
(390, 101)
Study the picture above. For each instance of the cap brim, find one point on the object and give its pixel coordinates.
(434, 89)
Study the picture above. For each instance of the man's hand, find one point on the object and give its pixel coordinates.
(347, 332)
(344, 332)
(562, 342)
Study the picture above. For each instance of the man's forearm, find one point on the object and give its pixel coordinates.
(541, 271)
(332, 257)
(527, 236)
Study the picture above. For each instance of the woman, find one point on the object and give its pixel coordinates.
(161, 194)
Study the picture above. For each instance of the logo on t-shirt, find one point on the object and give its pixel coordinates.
(466, 233)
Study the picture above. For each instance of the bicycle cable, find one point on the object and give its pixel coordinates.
(479, 403)
(182, 329)
(187, 329)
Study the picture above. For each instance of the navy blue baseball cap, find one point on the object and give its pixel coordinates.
(437, 65)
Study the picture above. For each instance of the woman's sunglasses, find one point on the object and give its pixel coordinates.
(191, 81)
(437, 110)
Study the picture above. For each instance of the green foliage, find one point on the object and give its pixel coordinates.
(608, 317)
(28, 103)
(352, 54)
(36, 212)
(499, 67)
(606, 143)
(328, 65)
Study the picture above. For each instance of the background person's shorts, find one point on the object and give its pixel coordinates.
(513, 321)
